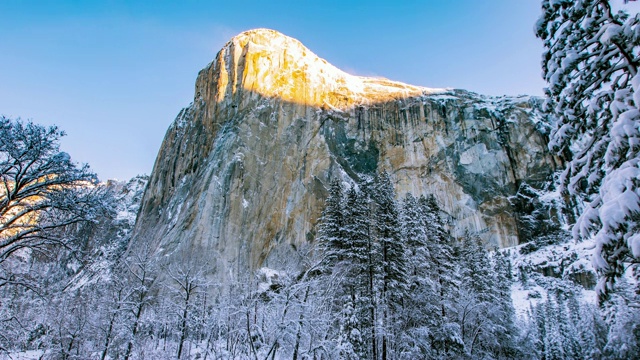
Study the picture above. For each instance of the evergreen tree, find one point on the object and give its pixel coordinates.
(446, 339)
(623, 337)
(352, 266)
(540, 323)
(415, 234)
(476, 269)
(360, 250)
(591, 64)
(351, 344)
(553, 336)
(505, 316)
(567, 330)
(389, 236)
(477, 299)
(564, 328)
(331, 237)
(392, 249)
(421, 302)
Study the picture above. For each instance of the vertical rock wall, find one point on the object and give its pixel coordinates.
(241, 177)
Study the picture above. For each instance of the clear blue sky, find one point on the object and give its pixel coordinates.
(114, 74)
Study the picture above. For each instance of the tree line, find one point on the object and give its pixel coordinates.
(383, 280)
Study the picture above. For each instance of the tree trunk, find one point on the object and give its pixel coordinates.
(183, 329)
(296, 348)
(374, 346)
(134, 330)
(107, 339)
(253, 349)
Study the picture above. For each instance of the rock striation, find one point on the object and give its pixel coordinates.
(242, 174)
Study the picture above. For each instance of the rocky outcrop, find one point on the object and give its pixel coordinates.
(241, 177)
(105, 240)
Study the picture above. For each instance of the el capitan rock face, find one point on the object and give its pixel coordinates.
(241, 177)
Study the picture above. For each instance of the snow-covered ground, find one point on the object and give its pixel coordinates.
(23, 355)
(565, 267)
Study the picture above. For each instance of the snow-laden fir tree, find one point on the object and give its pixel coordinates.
(591, 65)
(446, 340)
(389, 236)
(565, 328)
(478, 303)
(553, 337)
(507, 334)
(351, 268)
(415, 236)
(364, 266)
(331, 237)
(393, 255)
(623, 338)
(420, 306)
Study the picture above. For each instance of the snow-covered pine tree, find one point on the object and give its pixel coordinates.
(564, 328)
(441, 259)
(421, 303)
(507, 333)
(568, 331)
(623, 338)
(580, 318)
(591, 65)
(389, 235)
(476, 270)
(587, 322)
(553, 337)
(393, 255)
(359, 252)
(539, 321)
(350, 268)
(331, 237)
(446, 340)
(332, 241)
(350, 342)
(415, 236)
(359, 270)
(478, 309)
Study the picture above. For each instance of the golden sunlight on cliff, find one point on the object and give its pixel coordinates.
(273, 65)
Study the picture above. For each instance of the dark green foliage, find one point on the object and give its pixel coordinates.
(392, 246)
(351, 261)
(331, 233)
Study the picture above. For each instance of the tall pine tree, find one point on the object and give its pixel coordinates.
(392, 254)
(421, 303)
(331, 237)
(446, 339)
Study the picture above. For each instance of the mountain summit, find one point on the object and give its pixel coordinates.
(271, 64)
(242, 175)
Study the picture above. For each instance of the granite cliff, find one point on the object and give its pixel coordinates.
(242, 174)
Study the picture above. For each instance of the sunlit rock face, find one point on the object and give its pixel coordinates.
(242, 175)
